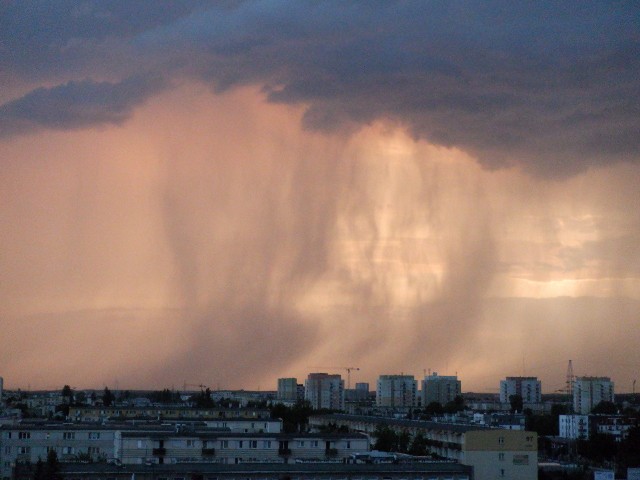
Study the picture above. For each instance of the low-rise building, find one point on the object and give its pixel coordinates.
(493, 453)
(100, 414)
(140, 447)
(573, 427)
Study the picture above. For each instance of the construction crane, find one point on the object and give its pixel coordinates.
(185, 385)
(348, 369)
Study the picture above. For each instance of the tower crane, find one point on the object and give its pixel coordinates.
(348, 369)
(185, 385)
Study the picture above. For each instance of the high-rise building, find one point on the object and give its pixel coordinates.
(529, 388)
(288, 389)
(324, 391)
(442, 389)
(397, 391)
(590, 391)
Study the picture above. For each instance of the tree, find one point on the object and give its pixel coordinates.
(604, 407)
(51, 469)
(386, 439)
(434, 408)
(455, 406)
(419, 445)
(203, 399)
(107, 397)
(629, 451)
(294, 419)
(67, 394)
(516, 403)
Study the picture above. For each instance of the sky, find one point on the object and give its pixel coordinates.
(229, 192)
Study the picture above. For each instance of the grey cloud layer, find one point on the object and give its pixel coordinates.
(552, 86)
(76, 104)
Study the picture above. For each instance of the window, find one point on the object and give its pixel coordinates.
(348, 444)
(239, 443)
(224, 444)
(93, 450)
(24, 435)
(7, 450)
(24, 450)
(266, 444)
(253, 444)
(94, 435)
(300, 443)
(501, 457)
(501, 440)
(191, 443)
(69, 435)
(68, 450)
(502, 472)
(314, 443)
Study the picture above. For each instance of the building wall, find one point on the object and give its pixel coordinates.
(496, 454)
(325, 391)
(141, 448)
(396, 391)
(31, 444)
(590, 391)
(288, 389)
(573, 426)
(529, 388)
(441, 389)
(247, 425)
(98, 414)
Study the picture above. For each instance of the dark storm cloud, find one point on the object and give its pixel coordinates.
(553, 86)
(76, 104)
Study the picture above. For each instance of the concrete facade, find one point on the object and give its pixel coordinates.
(396, 391)
(590, 391)
(529, 388)
(441, 389)
(325, 391)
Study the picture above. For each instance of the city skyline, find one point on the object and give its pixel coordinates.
(230, 193)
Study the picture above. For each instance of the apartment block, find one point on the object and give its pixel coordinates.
(396, 391)
(529, 388)
(287, 389)
(441, 389)
(323, 390)
(590, 391)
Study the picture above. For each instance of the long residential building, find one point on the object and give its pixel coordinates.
(100, 414)
(162, 444)
(493, 453)
(139, 447)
